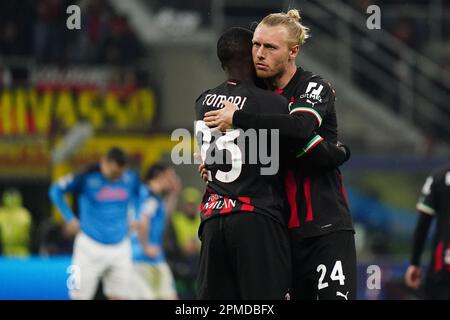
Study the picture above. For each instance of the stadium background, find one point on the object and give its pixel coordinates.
(130, 76)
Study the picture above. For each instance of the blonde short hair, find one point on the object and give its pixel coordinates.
(298, 33)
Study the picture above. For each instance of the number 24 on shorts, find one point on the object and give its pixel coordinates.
(337, 274)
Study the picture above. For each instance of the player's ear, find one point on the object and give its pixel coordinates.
(293, 52)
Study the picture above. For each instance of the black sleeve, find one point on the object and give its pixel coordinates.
(290, 126)
(326, 156)
(305, 113)
(420, 236)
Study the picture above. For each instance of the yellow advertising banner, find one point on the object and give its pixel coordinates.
(42, 111)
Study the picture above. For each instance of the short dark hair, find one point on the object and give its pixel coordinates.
(234, 47)
(117, 155)
(154, 171)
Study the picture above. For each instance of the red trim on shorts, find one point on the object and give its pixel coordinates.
(307, 191)
(291, 190)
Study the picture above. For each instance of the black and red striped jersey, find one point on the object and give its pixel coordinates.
(435, 202)
(320, 204)
(317, 199)
(237, 184)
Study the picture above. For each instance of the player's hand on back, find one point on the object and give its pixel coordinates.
(201, 168)
(221, 119)
(72, 228)
(203, 172)
(412, 276)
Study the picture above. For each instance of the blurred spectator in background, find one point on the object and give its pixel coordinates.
(49, 29)
(15, 225)
(152, 277)
(405, 30)
(16, 27)
(434, 202)
(9, 38)
(182, 244)
(38, 29)
(95, 27)
(121, 45)
(102, 248)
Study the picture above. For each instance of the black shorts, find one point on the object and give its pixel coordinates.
(435, 289)
(244, 256)
(324, 267)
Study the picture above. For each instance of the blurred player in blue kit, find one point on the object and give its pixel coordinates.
(102, 250)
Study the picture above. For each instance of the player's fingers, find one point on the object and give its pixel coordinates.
(209, 118)
(204, 175)
(408, 280)
(211, 123)
(211, 114)
(414, 283)
(228, 104)
(408, 277)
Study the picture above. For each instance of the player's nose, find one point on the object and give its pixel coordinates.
(260, 53)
